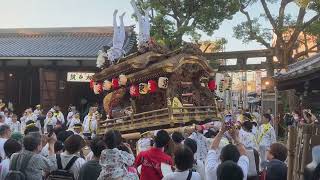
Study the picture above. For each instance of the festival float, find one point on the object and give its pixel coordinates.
(153, 88)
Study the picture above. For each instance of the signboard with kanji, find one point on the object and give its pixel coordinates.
(79, 76)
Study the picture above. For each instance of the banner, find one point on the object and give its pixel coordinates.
(79, 76)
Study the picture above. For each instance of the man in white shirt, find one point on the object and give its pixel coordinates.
(90, 124)
(7, 117)
(2, 119)
(5, 133)
(58, 114)
(73, 146)
(266, 136)
(256, 115)
(37, 111)
(235, 153)
(15, 124)
(72, 111)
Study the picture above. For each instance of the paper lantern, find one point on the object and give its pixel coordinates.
(134, 91)
(97, 88)
(123, 80)
(212, 85)
(143, 88)
(91, 84)
(107, 85)
(115, 83)
(152, 86)
(163, 82)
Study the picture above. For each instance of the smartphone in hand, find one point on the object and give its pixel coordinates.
(50, 130)
(228, 120)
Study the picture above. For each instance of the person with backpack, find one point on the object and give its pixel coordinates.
(91, 169)
(198, 165)
(29, 164)
(183, 159)
(5, 133)
(10, 146)
(67, 164)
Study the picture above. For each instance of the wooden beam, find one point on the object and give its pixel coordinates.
(245, 67)
(238, 54)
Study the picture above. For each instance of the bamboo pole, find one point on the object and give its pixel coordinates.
(169, 130)
(291, 149)
(306, 144)
(297, 154)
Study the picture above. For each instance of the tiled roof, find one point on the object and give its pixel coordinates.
(301, 68)
(59, 42)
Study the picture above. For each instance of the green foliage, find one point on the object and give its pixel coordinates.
(249, 31)
(305, 18)
(172, 19)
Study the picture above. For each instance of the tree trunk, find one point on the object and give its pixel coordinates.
(284, 56)
(270, 66)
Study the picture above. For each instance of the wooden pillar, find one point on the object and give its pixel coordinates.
(306, 149)
(292, 133)
(270, 66)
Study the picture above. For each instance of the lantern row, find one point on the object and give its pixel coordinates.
(135, 90)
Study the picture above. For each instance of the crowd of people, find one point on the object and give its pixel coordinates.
(46, 122)
(237, 148)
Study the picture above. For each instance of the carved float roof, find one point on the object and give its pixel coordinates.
(151, 65)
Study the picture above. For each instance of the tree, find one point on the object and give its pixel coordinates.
(284, 26)
(173, 19)
(212, 46)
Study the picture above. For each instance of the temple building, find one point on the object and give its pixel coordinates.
(51, 66)
(303, 77)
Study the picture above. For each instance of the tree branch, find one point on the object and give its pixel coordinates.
(308, 23)
(279, 30)
(269, 16)
(303, 53)
(252, 33)
(300, 26)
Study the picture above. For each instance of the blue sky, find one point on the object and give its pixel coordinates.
(77, 13)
